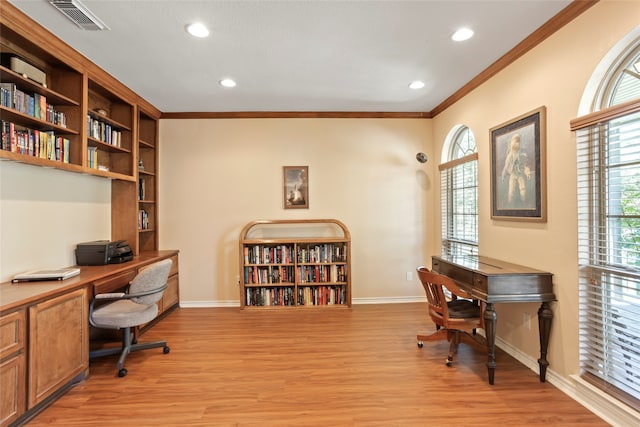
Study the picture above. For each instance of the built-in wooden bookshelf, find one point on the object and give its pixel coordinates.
(295, 263)
(29, 134)
(91, 124)
(69, 121)
(147, 165)
(110, 119)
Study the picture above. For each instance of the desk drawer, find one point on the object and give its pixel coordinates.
(113, 283)
(174, 266)
(456, 273)
(12, 333)
(480, 283)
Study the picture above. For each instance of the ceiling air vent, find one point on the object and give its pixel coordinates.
(79, 14)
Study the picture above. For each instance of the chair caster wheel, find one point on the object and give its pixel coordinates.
(420, 344)
(449, 363)
(166, 349)
(122, 372)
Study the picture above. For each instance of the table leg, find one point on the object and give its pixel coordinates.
(490, 320)
(545, 318)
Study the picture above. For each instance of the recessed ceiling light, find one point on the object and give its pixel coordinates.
(197, 30)
(416, 85)
(462, 34)
(227, 83)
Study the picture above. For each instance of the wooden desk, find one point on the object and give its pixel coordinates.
(46, 325)
(492, 280)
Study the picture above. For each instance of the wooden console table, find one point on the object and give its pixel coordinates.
(46, 324)
(492, 280)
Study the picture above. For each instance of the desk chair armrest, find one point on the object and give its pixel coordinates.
(456, 291)
(124, 295)
(112, 295)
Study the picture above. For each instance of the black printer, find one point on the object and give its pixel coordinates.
(103, 252)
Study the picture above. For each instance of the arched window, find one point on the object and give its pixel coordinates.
(459, 193)
(609, 230)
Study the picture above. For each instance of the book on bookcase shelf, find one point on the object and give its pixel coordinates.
(142, 190)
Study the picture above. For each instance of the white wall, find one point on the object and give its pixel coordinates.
(218, 175)
(45, 212)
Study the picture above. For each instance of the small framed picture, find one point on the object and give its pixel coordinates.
(295, 187)
(518, 169)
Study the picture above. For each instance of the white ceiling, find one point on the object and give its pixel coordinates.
(297, 55)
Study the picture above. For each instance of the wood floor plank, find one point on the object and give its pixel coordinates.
(310, 367)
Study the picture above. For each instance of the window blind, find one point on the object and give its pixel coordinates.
(459, 205)
(608, 154)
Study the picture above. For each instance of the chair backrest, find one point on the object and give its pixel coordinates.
(153, 277)
(433, 283)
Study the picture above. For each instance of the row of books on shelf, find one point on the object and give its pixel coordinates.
(302, 296)
(321, 273)
(103, 132)
(266, 297)
(255, 274)
(143, 220)
(259, 254)
(328, 252)
(322, 295)
(283, 254)
(34, 142)
(34, 105)
(330, 273)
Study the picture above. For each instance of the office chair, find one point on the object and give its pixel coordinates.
(451, 317)
(126, 310)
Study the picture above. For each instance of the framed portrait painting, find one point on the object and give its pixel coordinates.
(295, 187)
(518, 168)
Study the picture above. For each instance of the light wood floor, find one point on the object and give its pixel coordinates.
(313, 367)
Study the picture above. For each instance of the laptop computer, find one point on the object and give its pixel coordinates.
(42, 275)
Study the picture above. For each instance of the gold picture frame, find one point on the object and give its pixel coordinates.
(295, 192)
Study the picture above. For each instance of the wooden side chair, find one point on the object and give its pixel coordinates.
(451, 316)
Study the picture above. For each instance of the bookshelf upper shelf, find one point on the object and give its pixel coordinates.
(298, 229)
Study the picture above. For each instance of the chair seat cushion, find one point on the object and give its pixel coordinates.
(463, 309)
(124, 314)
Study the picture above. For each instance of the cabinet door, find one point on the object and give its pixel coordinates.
(12, 367)
(13, 381)
(58, 343)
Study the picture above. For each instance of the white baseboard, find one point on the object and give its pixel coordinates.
(388, 300)
(209, 304)
(236, 303)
